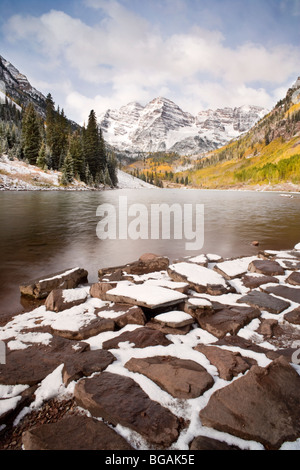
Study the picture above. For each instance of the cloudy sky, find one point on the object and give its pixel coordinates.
(100, 54)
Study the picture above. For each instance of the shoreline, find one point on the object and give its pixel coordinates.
(152, 308)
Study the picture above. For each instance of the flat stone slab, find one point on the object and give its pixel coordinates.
(147, 263)
(235, 268)
(181, 378)
(143, 296)
(120, 400)
(123, 314)
(92, 328)
(263, 405)
(290, 293)
(174, 319)
(293, 317)
(139, 338)
(207, 443)
(74, 433)
(294, 279)
(266, 267)
(86, 364)
(253, 282)
(30, 366)
(228, 320)
(229, 364)
(264, 301)
(200, 278)
(41, 288)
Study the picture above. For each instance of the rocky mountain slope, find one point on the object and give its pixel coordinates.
(268, 154)
(16, 87)
(161, 125)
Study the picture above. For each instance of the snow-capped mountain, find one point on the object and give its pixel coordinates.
(161, 125)
(16, 86)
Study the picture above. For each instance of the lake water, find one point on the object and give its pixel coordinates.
(46, 232)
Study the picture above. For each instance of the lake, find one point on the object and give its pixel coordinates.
(46, 232)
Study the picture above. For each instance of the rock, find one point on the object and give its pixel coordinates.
(229, 364)
(290, 293)
(263, 405)
(40, 289)
(74, 433)
(59, 300)
(9, 413)
(148, 263)
(266, 267)
(197, 307)
(30, 366)
(181, 378)
(120, 400)
(294, 279)
(252, 281)
(266, 327)
(86, 364)
(264, 301)
(207, 443)
(156, 297)
(141, 338)
(98, 290)
(255, 243)
(174, 319)
(200, 279)
(228, 320)
(92, 328)
(232, 269)
(293, 317)
(124, 314)
(167, 330)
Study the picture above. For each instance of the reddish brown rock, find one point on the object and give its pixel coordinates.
(293, 317)
(40, 289)
(93, 328)
(148, 263)
(141, 338)
(266, 267)
(207, 443)
(229, 364)
(228, 320)
(57, 300)
(264, 301)
(290, 293)
(263, 405)
(120, 400)
(252, 282)
(128, 314)
(294, 279)
(86, 364)
(99, 289)
(30, 366)
(74, 433)
(181, 378)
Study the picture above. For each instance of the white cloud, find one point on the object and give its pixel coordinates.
(130, 56)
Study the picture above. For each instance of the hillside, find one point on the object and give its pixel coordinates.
(267, 156)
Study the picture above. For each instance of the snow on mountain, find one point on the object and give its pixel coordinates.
(161, 125)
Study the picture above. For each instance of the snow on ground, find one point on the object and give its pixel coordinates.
(127, 181)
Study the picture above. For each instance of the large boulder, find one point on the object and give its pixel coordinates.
(74, 433)
(41, 288)
(181, 378)
(120, 400)
(266, 267)
(263, 405)
(86, 364)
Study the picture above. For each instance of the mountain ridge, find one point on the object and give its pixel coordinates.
(161, 125)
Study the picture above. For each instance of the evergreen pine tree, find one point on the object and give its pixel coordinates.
(76, 152)
(67, 170)
(31, 138)
(112, 166)
(42, 158)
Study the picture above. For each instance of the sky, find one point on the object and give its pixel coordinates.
(201, 54)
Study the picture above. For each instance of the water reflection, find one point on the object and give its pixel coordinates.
(45, 232)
